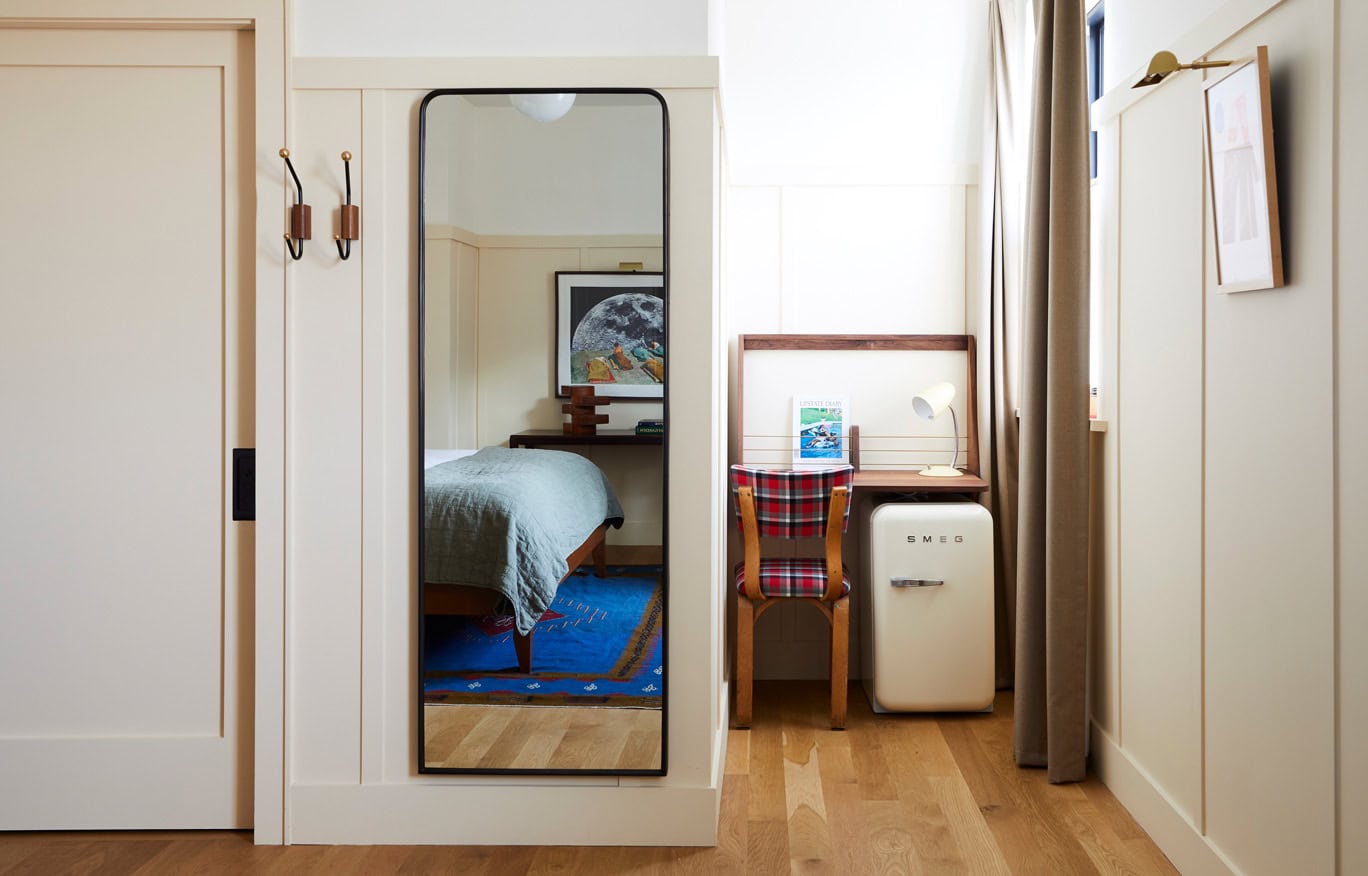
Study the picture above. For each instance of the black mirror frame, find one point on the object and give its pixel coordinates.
(419, 526)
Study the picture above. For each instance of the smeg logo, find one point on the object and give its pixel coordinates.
(935, 539)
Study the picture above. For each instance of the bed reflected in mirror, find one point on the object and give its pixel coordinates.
(542, 555)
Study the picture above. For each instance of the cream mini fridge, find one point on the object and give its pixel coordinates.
(928, 608)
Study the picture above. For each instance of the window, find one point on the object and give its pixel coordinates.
(1096, 21)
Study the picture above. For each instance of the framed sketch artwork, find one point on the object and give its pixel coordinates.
(610, 333)
(1244, 192)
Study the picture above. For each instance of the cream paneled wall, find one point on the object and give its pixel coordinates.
(1223, 720)
(850, 259)
(351, 495)
(1160, 351)
(1351, 427)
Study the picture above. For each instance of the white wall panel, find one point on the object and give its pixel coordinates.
(1280, 792)
(440, 294)
(754, 257)
(1160, 462)
(518, 335)
(874, 260)
(1136, 29)
(323, 461)
(1270, 540)
(875, 90)
(1351, 399)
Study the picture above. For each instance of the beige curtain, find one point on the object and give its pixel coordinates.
(1052, 551)
(1005, 122)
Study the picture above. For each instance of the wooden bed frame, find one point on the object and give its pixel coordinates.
(466, 599)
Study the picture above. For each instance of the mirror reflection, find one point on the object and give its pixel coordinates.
(541, 555)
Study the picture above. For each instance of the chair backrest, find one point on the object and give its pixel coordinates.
(791, 503)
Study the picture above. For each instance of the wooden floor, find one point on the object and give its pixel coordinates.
(892, 794)
(541, 737)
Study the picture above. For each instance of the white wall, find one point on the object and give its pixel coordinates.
(1136, 29)
(351, 600)
(508, 29)
(1229, 716)
(1351, 409)
(597, 170)
(852, 137)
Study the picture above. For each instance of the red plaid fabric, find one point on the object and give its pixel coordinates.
(791, 503)
(792, 577)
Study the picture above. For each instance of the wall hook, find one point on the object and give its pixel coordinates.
(350, 220)
(300, 220)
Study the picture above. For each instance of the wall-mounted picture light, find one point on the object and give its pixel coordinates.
(1164, 63)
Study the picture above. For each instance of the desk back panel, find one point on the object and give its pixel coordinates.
(878, 379)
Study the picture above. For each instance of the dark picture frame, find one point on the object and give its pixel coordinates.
(610, 333)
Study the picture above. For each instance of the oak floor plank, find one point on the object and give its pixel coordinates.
(767, 848)
(1103, 848)
(365, 861)
(557, 859)
(891, 794)
(978, 848)
(1005, 805)
(1108, 807)
(767, 798)
(738, 752)
(1045, 803)
(730, 855)
(892, 846)
(45, 858)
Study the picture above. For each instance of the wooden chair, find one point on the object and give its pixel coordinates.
(789, 504)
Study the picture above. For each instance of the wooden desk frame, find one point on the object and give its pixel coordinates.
(907, 480)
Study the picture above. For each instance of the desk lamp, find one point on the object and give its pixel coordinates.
(929, 404)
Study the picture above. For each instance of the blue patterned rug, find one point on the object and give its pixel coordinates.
(598, 645)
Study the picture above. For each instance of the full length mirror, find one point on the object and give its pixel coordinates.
(542, 553)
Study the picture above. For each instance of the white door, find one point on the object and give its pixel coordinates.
(126, 374)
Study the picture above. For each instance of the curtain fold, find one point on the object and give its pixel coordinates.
(1052, 553)
(1005, 120)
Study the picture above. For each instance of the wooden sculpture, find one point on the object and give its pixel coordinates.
(583, 410)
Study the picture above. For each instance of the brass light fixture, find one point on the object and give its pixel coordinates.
(1164, 63)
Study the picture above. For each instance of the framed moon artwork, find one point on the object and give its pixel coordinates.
(610, 333)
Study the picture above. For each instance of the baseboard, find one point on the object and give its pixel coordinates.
(1190, 851)
(547, 815)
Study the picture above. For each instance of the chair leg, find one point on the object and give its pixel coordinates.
(745, 657)
(840, 660)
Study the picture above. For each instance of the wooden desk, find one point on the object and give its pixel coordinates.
(913, 481)
(604, 437)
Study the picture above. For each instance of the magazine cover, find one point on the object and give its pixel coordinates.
(820, 425)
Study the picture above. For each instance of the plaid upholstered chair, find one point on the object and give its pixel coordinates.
(779, 503)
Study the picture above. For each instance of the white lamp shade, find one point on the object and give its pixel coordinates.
(543, 107)
(932, 401)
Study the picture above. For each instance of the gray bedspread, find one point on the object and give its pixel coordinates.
(507, 519)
